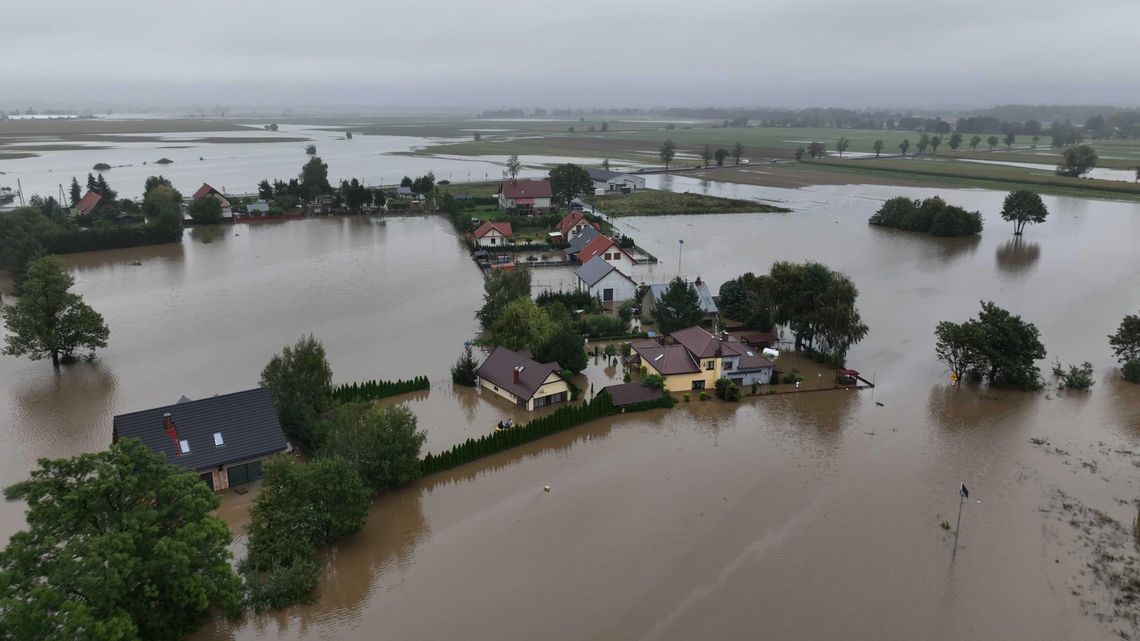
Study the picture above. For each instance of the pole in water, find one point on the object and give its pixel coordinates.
(963, 494)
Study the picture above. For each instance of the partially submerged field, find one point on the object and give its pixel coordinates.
(653, 202)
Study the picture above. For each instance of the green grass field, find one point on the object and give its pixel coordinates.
(652, 202)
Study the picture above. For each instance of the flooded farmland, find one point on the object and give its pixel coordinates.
(796, 517)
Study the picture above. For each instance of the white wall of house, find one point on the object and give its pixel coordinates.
(618, 259)
(613, 287)
(495, 389)
(493, 238)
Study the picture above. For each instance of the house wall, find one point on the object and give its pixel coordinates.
(554, 384)
(492, 238)
(494, 389)
(624, 289)
(618, 259)
(760, 377)
(684, 382)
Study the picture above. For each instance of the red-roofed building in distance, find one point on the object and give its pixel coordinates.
(493, 233)
(88, 204)
(206, 191)
(572, 224)
(525, 196)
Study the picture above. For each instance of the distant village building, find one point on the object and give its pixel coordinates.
(257, 208)
(206, 191)
(572, 224)
(612, 181)
(605, 281)
(694, 359)
(493, 233)
(520, 379)
(88, 204)
(526, 196)
(223, 439)
(654, 292)
(579, 242)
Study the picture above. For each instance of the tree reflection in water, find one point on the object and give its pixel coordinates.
(1017, 256)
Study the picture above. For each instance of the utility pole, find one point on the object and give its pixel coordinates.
(680, 246)
(963, 494)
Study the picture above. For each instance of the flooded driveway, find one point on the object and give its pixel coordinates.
(794, 517)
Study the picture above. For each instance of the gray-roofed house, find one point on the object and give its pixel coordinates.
(606, 180)
(654, 293)
(605, 281)
(224, 439)
(522, 380)
(583, 238)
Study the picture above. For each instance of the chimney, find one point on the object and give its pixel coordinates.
(517, 372)
(171, 432)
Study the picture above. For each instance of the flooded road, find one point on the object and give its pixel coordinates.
(794, 517)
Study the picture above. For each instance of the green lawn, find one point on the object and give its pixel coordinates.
(652, 202)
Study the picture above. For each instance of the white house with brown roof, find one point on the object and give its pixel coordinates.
(694, 359)
(526, 196)
(520, 379)
(493, 234)
(610, 252)
(206, 191)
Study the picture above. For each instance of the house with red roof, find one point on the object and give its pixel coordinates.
(610, 252)
(694, 359)
(493, 233)
(526, 196)
(206, 191)
(572, 224)
(88, 204)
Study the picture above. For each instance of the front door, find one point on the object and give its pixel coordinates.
(608, 295)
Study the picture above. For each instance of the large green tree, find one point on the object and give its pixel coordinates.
(565, 347)
(568, 181)
(206, 211)
(841, 145)
(737, 152)
(382, 442)
(500, 287)
(1126, 345)
(120, 545)
(1077, 160)
(522, 325)
(49, 320)
(464, 371)
(355, 195)
(315, 178)
(997, 347)
(1023, 208)
(667, 152)
(159, 199)
(300, 381)
(679, 307)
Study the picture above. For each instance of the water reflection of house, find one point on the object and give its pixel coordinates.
(224, 439)
(653, 294)
(605, 281)
(206, 191)
(493, 233)
(522, 380)
(694, 359)
(525, 196)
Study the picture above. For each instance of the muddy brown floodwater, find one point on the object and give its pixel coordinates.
(796, 517)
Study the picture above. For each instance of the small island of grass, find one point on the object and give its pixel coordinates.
(101, 166)
(931, 216)
(654, 202)
(163, 161)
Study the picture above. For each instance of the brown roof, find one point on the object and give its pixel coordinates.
(667, 359)
(599, 246)
(701, 344)
(503, 228)
(526, 189)
(569, 220)
(88, 203)
(629, 393)
(205, 190)
(757, 338)
(499, 370)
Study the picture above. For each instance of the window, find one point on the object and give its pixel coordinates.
(218, 442)
(727, 365)
(184, 446)
(698, 384)
(492, 241)
(710, 365)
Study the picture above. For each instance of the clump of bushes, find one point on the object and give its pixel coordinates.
(1131, 371)
(1078, 377)
(931, 216)
(377, 389)
(727, 390)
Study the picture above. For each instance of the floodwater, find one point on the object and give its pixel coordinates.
(237, 167)
(794, 517)
(1100, 173)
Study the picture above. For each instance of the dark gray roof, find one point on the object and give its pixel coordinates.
(594, 270)
(667, 359)
(708, 305)
(247, 422)
(635, 392)
(579, 242)
(499, 369)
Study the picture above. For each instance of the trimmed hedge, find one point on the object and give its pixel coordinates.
(70, 242)
(563, 418)
(377, 389)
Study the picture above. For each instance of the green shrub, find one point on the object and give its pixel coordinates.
(598, 325)
(284, 583)
(732, 392)
(377, 389)
(1131, 371)
(686, 397)
(653, 380)
(703, 396)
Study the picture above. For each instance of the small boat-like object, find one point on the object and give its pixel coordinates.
(504, 425)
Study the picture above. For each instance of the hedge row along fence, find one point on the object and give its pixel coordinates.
(70, 242)
(376, 390)
(562, 419)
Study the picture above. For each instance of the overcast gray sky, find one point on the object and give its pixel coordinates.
(583, 53)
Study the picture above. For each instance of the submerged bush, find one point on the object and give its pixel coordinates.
(932, 216)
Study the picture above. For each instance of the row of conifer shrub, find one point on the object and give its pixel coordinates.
(561, 419)
(378, 389)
